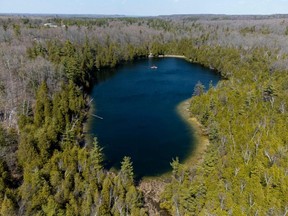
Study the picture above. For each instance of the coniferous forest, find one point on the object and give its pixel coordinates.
(49, 64)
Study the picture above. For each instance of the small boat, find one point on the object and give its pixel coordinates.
(154, 67)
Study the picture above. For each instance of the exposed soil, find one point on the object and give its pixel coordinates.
(152, 189)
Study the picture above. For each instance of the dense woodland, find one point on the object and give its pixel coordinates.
(49, 167)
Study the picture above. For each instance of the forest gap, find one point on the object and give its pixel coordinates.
(135, 112)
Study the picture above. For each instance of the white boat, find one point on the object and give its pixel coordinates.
(154, 67)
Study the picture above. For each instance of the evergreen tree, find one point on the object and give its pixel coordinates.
(8, 207)
(126, 173)
(199, 89)
(42, 112)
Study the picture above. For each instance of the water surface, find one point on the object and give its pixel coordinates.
(138, 107)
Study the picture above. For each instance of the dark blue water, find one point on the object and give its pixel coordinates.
(138, 106)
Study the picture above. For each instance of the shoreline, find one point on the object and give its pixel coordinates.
(173, 56)
(152, 187)
(89, 138)
(201, 140)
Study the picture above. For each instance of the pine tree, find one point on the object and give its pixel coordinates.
(96, 155)
(199, 89)
(42, 111)
(7, 207)
(126, 173)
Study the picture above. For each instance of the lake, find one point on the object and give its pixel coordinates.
(138, 107)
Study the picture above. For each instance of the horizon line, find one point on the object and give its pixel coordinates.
(125, 15)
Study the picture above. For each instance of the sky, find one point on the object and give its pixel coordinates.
(145, 7)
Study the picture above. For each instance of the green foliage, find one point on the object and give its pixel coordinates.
(8, 207)
(180, 197)
(42, 111)
(59, 176)
(70, 178)
(7, 137)
(244, 171)
(97, 156)
(248, 30)
(286, 31)
(199, 89)
(17, 30)
(36, 50)
(79, 61)
(4, 178)
(242, 116)
(126, 172)
(158, 48)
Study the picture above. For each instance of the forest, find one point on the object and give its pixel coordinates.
(49, 64)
